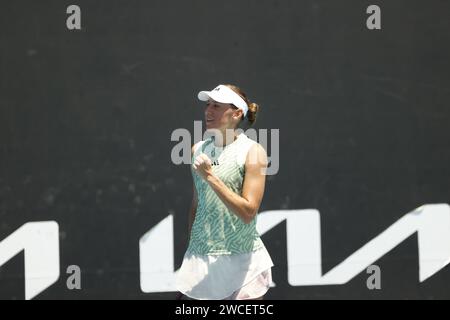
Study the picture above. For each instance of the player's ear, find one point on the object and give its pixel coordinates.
(238, 113)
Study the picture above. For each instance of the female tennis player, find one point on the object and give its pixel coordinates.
(226, 258)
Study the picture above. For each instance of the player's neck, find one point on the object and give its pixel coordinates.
(224, 137)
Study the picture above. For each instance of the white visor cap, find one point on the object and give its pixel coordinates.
(224, 94)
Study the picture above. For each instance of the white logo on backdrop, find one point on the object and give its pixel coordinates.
(430, 222)
(40, 243)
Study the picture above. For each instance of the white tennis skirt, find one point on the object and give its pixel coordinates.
(217, 277)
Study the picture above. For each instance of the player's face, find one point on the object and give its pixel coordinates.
(219, 115)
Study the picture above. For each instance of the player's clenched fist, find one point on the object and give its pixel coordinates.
(202, 165)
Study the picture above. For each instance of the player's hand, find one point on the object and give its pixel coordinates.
(202, 165)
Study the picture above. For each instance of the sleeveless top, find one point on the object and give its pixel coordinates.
(216, 229)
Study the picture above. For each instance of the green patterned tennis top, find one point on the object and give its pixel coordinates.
(216, 229)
